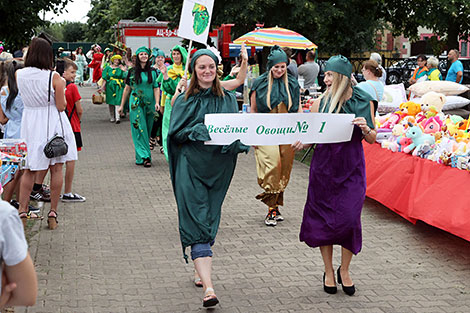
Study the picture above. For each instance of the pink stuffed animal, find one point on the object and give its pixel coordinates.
(433, 125)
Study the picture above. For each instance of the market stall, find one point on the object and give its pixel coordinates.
(12, 158)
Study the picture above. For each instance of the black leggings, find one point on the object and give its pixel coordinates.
(157, 130)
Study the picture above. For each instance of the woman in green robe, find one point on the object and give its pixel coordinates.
(200, 173)
(113, 76)
(276, 91)
(170, 77)
(143, 87)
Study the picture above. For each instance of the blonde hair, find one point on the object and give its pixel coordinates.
(337, 93)
(270, 87)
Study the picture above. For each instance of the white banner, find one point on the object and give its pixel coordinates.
(195, 20)
(278, 129)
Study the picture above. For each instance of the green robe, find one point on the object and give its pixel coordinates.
(200, 174)
(175, 72)
(115, 84)
(142, 114)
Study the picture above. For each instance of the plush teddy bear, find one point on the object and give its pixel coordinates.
(410, 108)
(432, 103)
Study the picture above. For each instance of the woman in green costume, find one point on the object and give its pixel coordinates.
(200, 173)
(276, 91)
(143, 87)
(113, 76)
(170, 77)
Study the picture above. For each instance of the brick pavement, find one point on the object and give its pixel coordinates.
(120, 252)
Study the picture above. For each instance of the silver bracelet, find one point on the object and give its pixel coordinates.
(370, 129)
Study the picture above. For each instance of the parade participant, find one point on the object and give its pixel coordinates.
(275, 91)
(95, 64)
(373, 86)
(43, 93)
(337, 183)
(143, 87)
(420, 71)
(158, 60)
(170, 78)
(200, 173)
(81, 65)
(108, 53)
(114, 76)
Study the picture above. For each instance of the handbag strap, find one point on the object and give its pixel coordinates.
(49, 108)
(376, 94)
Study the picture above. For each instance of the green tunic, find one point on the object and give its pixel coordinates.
(200, 174)
(142, 113)
(278, 93)
(115, 84)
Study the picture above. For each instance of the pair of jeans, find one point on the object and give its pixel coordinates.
(201, 250)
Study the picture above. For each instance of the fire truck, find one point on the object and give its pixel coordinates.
(154, 33)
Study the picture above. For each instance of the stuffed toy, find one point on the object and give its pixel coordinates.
(432, 125)
(383, 134)
(392, 120)
(432, 103)
(410, 108)
(418, 138)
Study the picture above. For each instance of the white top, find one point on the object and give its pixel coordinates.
(33, 88)
(13, 246)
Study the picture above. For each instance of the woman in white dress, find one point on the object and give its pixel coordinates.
(41, 121)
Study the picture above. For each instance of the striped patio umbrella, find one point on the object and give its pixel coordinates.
(276, 36)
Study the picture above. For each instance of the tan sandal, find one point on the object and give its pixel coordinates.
(52, 220)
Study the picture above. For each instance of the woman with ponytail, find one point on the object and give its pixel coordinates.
(337, 183)
(275, 91)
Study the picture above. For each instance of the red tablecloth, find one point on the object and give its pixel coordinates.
(419, 189)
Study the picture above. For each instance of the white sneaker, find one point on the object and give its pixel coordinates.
(112, 120)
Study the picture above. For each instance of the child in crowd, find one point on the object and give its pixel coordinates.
(19, 285)
(74, 112)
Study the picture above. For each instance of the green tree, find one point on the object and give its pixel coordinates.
(448, 18)
(99, 24)
(335, 26)
(73, 31)
(21, 18)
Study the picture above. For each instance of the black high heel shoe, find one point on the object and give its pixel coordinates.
(328, 289)
(349, 290)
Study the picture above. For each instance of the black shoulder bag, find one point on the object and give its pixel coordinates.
(56, 146)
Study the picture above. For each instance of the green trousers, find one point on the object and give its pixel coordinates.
(166, 125)
(141, 126)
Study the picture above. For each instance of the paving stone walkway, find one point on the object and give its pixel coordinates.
(120, 251)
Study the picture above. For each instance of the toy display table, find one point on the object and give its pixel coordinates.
(419, 189)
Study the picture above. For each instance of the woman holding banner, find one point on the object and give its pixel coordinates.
(200, 174)
(337, 185)
(275, 91)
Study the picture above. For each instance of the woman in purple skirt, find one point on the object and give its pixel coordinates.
(337, 184)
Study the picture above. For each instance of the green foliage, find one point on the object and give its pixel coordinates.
(448, 18)
(73, 31)
(20, 19)
(336, 26)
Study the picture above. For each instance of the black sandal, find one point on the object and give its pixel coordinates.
(147, 163)
(52, 220)
(152, 143)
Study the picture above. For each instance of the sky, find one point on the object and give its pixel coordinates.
(77, 11)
